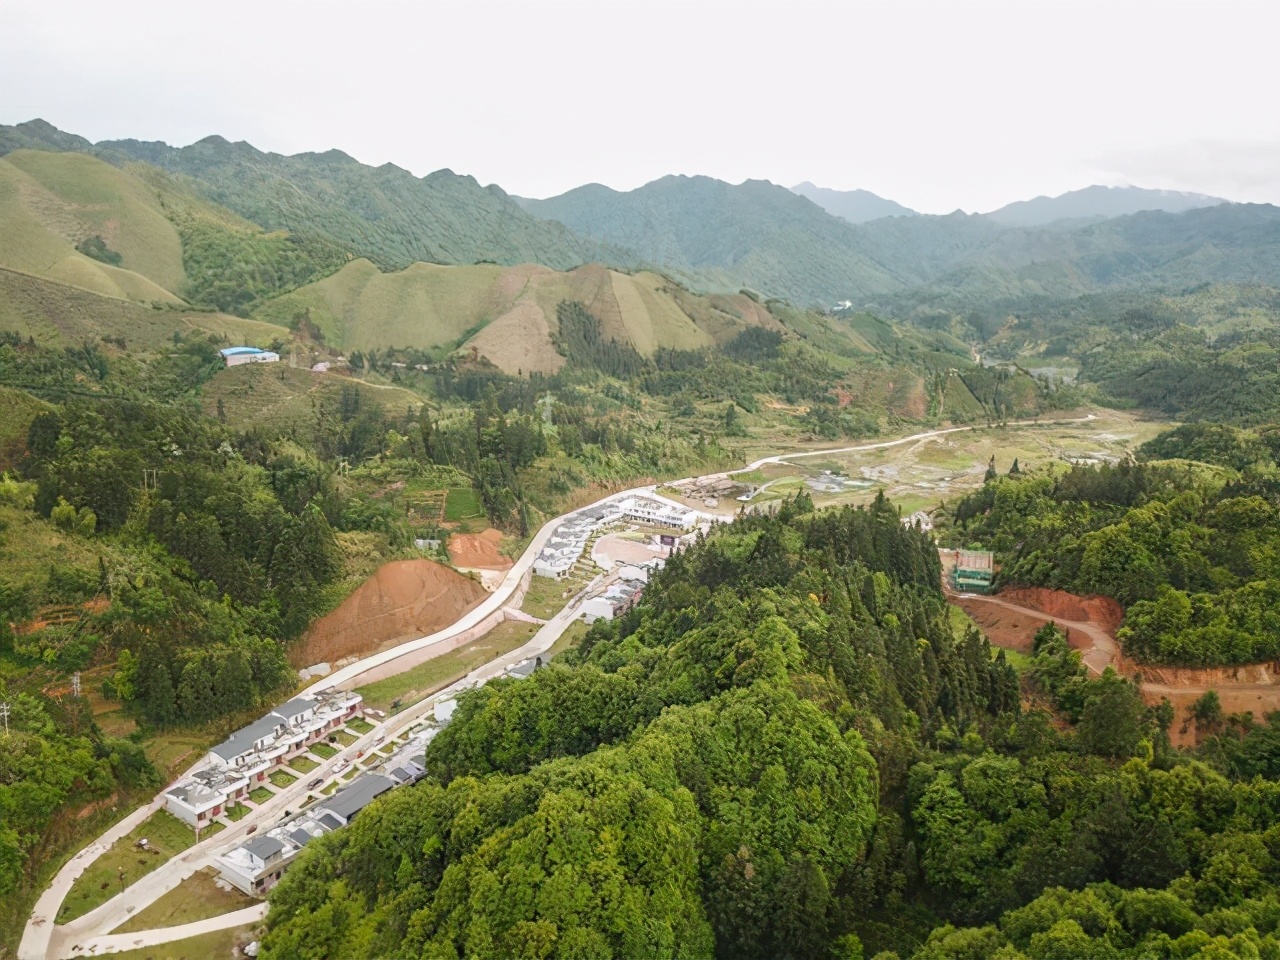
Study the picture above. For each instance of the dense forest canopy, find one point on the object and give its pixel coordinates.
(1188, 549)
(789, 749)
(793, 746)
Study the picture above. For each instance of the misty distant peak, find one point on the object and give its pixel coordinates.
(856, 206)
(1098, 203)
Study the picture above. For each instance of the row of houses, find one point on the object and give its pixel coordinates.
(255, 865)
(565, 545)
(247, 756)
(623, 594)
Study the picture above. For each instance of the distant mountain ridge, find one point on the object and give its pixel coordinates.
(760, 235)
(1098, 203)
(384, 213)
(709, 235)
(856, 206)
(754, 234)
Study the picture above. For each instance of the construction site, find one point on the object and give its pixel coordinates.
(972, 571)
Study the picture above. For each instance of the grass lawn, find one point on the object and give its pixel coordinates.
(462, 503)
(546, 597)
(388, 748)
(261, 794)
(172, 752)
(166, 836)
(282, 779)
(571, 637)
(323, 750)
(330, 788)
(219, 945)
(426, 678)
(304, 764)
(360, 725)
(351, 773)
(236, 811)
(196, 898)
(344, 738)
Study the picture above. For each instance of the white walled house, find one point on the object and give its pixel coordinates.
(238, 356)
(256, 865)
(205, 795)
(614, 602)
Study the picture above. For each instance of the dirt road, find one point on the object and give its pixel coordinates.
(1249, 689)
(1098, 648)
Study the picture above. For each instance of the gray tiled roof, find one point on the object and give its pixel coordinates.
(362, 791)
(244, 738)
(295, 707)
(264, 847)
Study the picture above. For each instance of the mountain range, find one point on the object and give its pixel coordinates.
(856, 206)
(1090, 203)
(709, 235)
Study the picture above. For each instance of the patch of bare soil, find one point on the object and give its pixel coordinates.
(405, 599)
(481, 551)
(1060, 605)
(1011, 618)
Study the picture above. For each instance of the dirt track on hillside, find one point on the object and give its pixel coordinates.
(404, 599)
(1012, 618)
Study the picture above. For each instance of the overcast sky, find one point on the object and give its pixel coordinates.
(938, 106)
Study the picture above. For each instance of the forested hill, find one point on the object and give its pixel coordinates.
(789, 750)
(1098, 203)
(762, 236)
(383, 213)
(697, 782)
(755, 234)
(711, 235)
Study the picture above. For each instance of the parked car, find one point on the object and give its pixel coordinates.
(251, 829)
(315, 783)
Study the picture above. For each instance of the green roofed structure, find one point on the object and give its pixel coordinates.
(973, 571)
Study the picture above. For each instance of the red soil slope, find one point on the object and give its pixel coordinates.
(403, 600)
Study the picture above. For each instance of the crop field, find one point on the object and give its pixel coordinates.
(921, 474)
(462, 503)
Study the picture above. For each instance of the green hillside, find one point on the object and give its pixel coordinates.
(384, 213)
(710, 235)
(137, 233)
(277, 398)
(755, 235)
(759, 235)
(75, 219)
(508, 314)
(63, 314)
